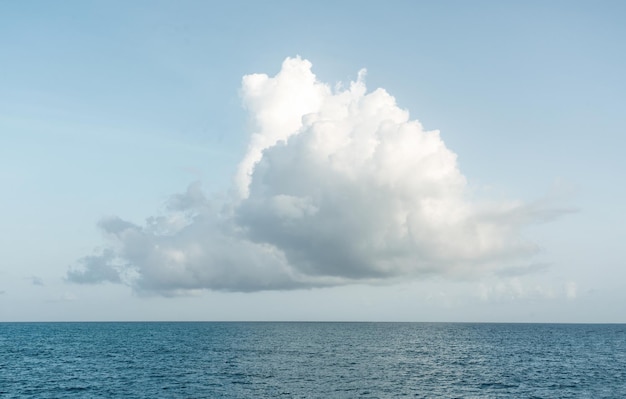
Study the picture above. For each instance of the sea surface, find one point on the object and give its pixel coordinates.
(311, 360)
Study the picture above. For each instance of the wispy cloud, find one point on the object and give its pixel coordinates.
(571, 290)
(515, 271)
(524, 288)
(36, 281)
(64, 297)
(337, 186)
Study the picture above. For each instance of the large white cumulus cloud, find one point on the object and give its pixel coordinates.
(337, 186)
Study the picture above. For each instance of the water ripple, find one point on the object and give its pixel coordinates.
(311, 360)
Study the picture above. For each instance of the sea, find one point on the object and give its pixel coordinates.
(311, 360)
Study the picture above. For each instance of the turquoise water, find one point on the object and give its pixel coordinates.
(311, 360)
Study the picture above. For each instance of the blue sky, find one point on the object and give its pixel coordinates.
(108, 109)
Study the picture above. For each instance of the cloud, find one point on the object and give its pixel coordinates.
(571, 290)
(337, 186)
(525, 288)
(36, 281)
(97, 268)
(193, 247)
(64, 297)
(515, 271)
(514, 289)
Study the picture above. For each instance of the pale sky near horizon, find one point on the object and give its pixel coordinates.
(229, 161)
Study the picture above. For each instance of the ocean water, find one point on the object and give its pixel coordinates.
(311, 360)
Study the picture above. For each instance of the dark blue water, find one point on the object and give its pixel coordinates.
(311, 360)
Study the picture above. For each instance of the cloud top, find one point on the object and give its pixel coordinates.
(337, 186)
